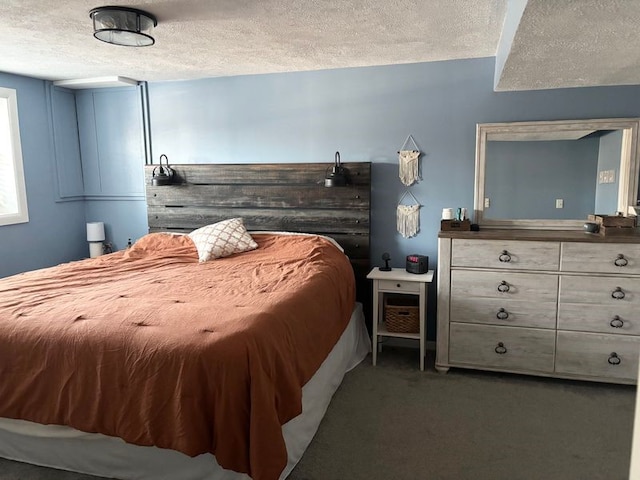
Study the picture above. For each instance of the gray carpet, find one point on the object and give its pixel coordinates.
(394, 422)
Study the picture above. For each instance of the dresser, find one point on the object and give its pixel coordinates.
(553, 303)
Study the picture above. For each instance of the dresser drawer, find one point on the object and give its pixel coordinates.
(398, 286)
(508, 348)
(594, 290)
(601, 257)
(591, 354)
(504, 286)
(615, 319)
(505, 254)
(489, 311)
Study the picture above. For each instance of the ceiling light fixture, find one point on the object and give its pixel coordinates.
(125, 26)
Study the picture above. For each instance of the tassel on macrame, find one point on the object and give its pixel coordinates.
(408, 160)
(408, 163)
(408, 218)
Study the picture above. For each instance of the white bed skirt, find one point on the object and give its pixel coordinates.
(69, 449)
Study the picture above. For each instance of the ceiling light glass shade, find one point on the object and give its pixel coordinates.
(123, 26)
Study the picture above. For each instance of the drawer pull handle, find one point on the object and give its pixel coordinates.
(501, 349)
(398, 285)
(504, 257)
(614, 359)
(618, 294)
(503, 287)
(502, 314)
(616, 322)
(621, 261)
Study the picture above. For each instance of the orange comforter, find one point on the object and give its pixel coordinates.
(151, 346)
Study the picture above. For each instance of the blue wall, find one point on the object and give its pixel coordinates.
(55, 231)
(123, 219)
(111, 137)
(365, 113)
(83, 154)
(524, 179)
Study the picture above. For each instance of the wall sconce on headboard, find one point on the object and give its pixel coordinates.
(337, 177)
(162, 175)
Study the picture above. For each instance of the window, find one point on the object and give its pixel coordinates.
(13, 196)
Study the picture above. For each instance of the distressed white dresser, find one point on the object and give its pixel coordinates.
(553, 303)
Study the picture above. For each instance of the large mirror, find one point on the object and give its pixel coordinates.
(551, 175)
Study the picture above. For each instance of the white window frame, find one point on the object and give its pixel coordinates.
(22, 215)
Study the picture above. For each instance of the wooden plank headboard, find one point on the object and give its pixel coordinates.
(283, 197)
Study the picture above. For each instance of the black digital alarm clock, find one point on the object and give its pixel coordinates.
(417, 263)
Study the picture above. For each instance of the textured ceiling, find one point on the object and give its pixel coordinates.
(558, 42)
(574, 43)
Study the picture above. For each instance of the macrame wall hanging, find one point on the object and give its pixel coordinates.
(408, 160)
(408, 217)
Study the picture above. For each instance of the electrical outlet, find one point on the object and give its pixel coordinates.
(486, 203)
(559, 203)
(607, 176)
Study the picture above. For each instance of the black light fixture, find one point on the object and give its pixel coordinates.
(337, 177)
(123, 26)
(160, 175)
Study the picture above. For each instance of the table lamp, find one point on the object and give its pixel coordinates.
(95, 237)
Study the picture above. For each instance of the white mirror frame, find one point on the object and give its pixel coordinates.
(628, 176)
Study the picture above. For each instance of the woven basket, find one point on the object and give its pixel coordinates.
(401, 314)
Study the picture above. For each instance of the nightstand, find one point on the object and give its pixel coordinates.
(398, 280)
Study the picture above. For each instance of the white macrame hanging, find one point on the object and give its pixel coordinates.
(408, 217)
(408, 160)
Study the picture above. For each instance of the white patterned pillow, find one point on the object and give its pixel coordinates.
(222, 239)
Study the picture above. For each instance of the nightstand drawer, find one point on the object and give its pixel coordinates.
(610, 356)
(508, 348)
(399, 286)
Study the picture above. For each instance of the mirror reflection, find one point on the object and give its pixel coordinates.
(553, 179)
(554, 174)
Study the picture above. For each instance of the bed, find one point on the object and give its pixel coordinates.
(85, 388)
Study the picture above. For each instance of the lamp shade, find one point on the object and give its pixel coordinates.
(95, 232)
(125, 26)
(337, 177)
